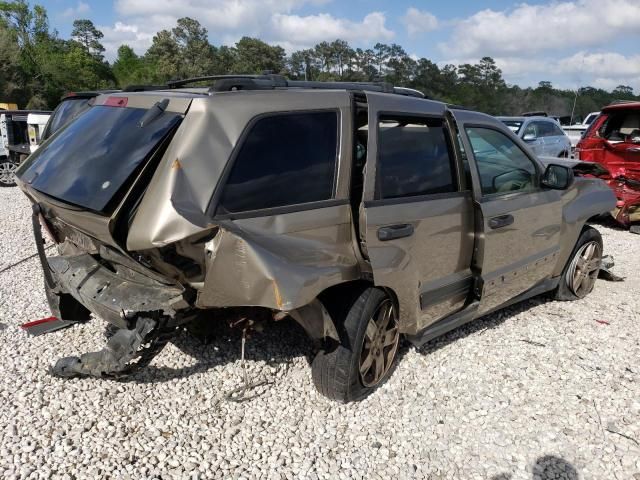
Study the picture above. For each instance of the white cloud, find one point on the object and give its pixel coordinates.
(274, 21)
(312, 29)
(75, 12)
(528, 29)
(123, 33)
(418, 21)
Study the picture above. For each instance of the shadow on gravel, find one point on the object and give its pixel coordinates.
(277, 345)
(548, 467)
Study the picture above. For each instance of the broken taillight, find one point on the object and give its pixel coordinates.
(116, 101)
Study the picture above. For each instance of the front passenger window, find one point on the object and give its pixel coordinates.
(503, 167)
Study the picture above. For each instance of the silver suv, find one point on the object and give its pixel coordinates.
(363, 211)
(543, 135)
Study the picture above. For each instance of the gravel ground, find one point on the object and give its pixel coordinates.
(542, 390)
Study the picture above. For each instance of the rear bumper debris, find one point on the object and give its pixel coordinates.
(115, 296)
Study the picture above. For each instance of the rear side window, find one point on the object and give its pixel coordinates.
(414, 158)
(286, 159)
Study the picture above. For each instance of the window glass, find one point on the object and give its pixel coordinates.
(503, 167)
(514, 125)
(286, 159)
(532, 129)
(557, 131)
(88, 162)
(414, 158)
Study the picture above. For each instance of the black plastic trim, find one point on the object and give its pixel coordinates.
(453, 290)
(416, 199)
(268, 212)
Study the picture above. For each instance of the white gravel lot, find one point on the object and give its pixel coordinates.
(541, 391)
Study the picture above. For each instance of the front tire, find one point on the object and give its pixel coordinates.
(369, 339)
(581, 272)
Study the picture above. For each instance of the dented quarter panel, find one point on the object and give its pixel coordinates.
(281, 262)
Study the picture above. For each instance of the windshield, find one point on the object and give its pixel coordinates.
(66, 111)
(88, 161)
(514, 125)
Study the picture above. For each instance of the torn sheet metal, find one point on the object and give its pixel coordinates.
(279, 271)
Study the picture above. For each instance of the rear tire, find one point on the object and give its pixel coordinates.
(7, 172)
(369, 339)
(581, 272)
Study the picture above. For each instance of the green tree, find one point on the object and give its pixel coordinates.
(255, 56)
(86, 34)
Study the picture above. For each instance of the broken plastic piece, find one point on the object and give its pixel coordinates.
(605, 270)
(113, 359)
(46, 325)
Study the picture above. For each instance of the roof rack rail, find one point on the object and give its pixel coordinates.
(143, 88)
(621, 102)
(225, 83)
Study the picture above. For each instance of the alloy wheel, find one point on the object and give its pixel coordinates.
(7, 173)
(584, 269)
(380, 344)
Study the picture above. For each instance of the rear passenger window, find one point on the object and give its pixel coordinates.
(414, 158)
(286, 159)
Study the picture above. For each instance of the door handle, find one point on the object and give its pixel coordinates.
(395, 231)
(501, 221)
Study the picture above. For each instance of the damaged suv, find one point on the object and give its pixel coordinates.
(363, 211)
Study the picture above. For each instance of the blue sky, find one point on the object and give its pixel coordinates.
(569, 42)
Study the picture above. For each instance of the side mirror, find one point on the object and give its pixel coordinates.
(557, 177)
(529, 137)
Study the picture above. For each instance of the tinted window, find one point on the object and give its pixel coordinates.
(286, 159)
(414, 158)
(548, 129)
(557, 131)
(502, 166)
(87, 162)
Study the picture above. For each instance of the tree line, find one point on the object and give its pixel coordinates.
(37, 67)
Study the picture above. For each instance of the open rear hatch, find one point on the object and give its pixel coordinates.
(85, 182)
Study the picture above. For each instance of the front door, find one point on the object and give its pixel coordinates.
(521, 221)
(418, 212)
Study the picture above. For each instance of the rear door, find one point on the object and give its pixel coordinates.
(417, 210)
(518, 239)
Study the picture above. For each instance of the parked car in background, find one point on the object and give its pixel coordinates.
(350, 207)
(543, 135)
(36, 123)
(17, 139)
(576, 131)
(613, 140)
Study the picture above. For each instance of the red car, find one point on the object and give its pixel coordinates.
(613, 140)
